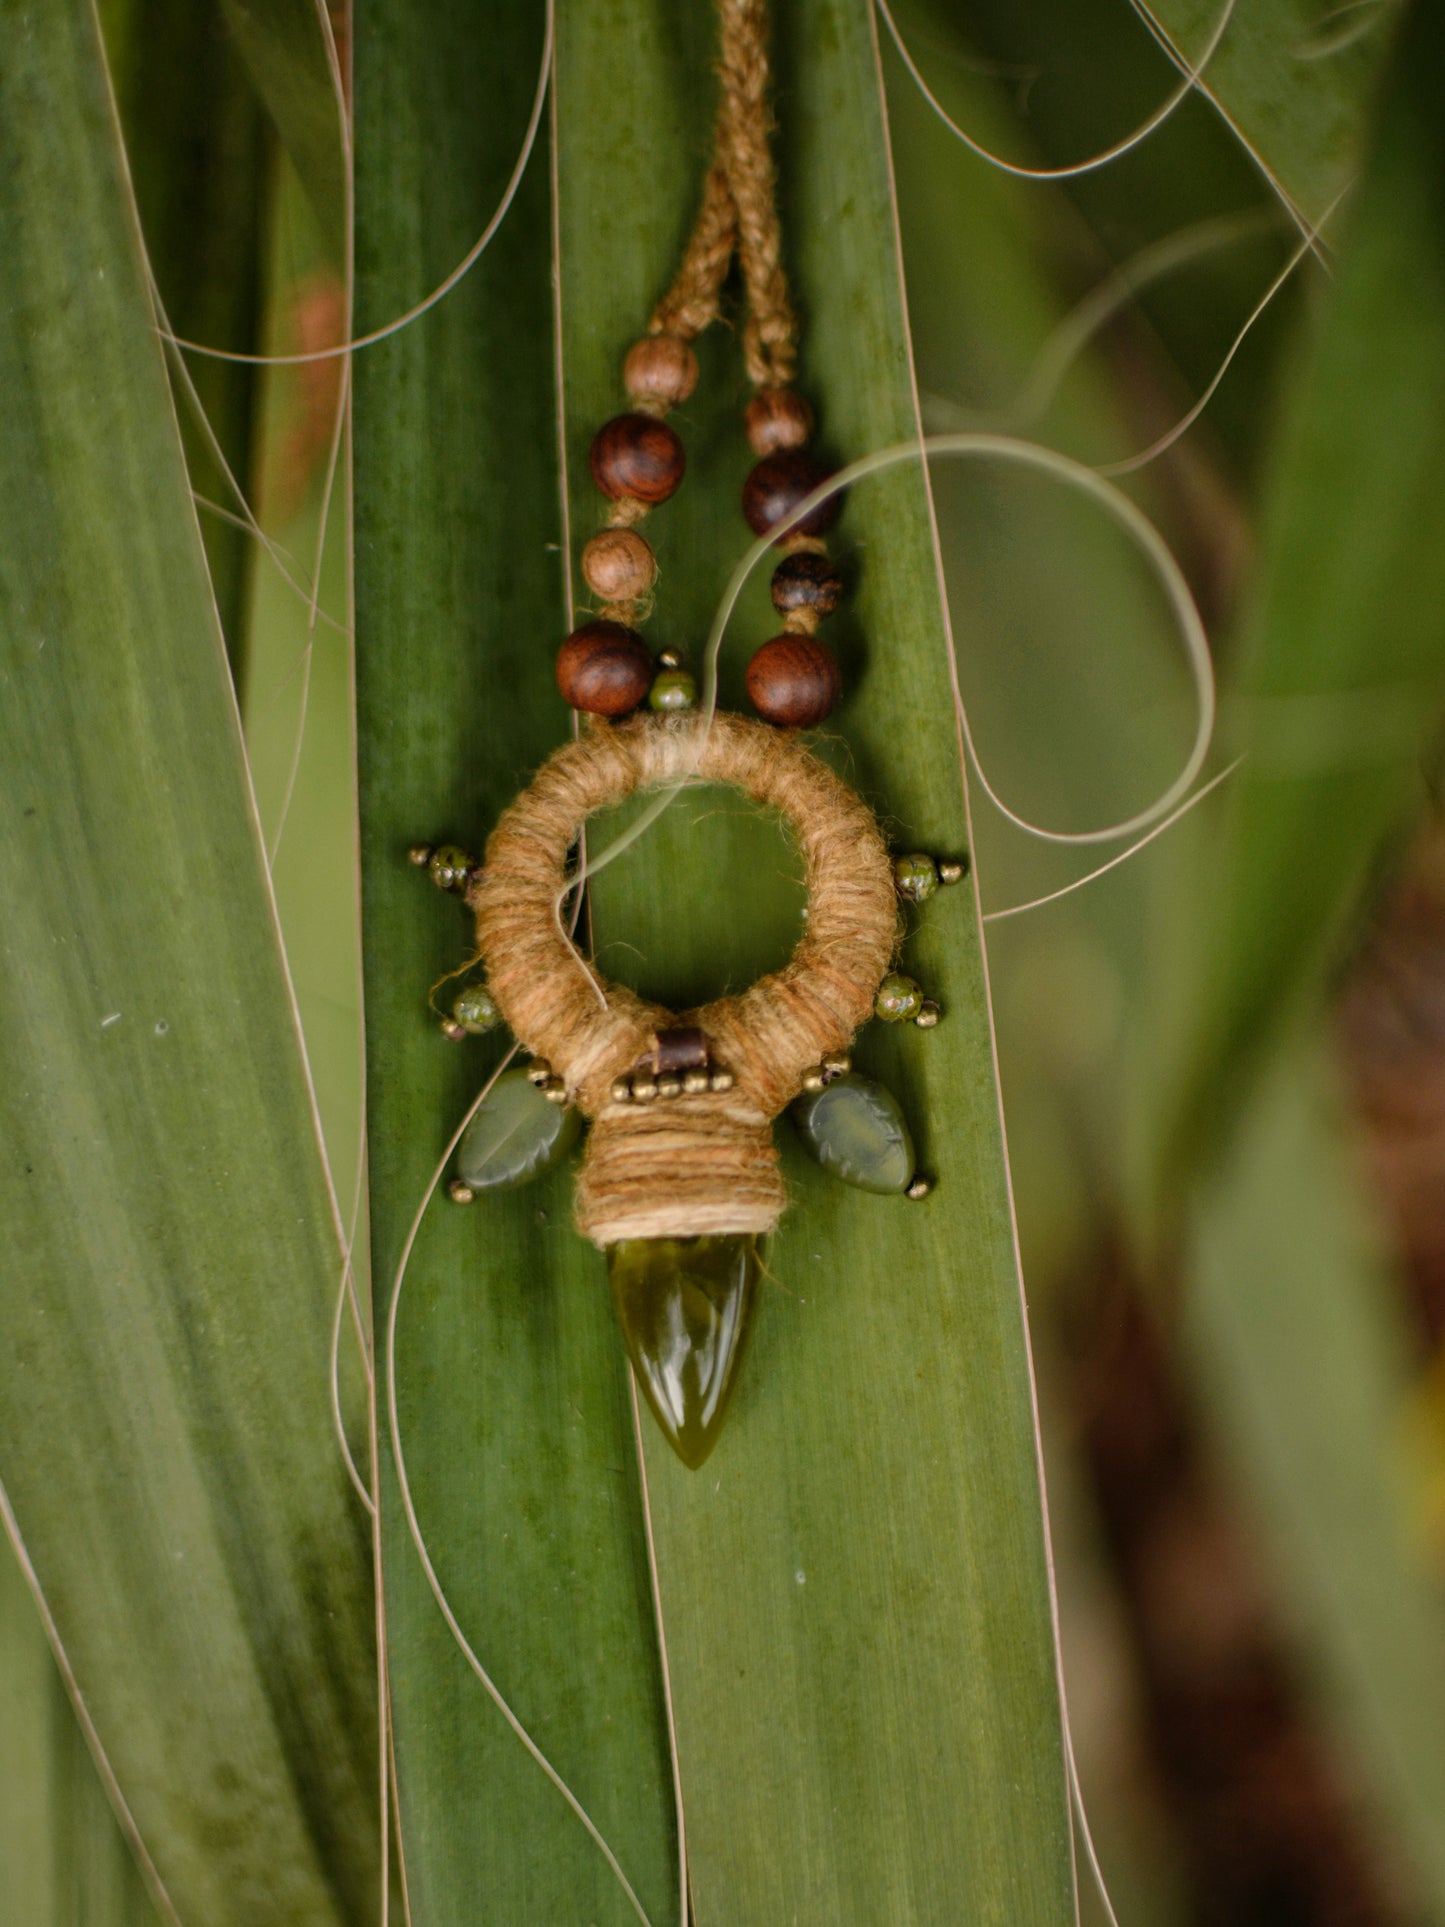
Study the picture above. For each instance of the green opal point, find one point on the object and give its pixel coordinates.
(685, 1306)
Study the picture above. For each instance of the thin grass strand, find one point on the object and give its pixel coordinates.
(1191, 76)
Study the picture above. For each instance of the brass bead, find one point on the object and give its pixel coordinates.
(622, 1090)
(837, 1064)
(814, 1080)
(538, 1071)
(669, 659)
(720, 1081)
(618, 565)
(777, 419)
(460, 1192)
(928, 1016)
(919, 1188)
(660, 370)
(669, 1085)
(694, 1082)
(644, 1087)
(420, 854)
(952, 872)
(454, 1032)
(555, 1091)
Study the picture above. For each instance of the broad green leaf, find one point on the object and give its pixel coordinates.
(285, 43)
(64, 1861)
(1342, 667)
(853, 1587)
(164, 1430)
(1301, 1363)
(197, 154)
(511, 1384)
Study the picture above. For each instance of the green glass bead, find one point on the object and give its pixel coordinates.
(449, 867)
(915, 877)
(899, 998)
(515, 1136)
(672, 690)
(685, 1306)
(856, 1129)
(476, 1010)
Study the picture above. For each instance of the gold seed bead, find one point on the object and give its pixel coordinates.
(837, 1064)
(669, 1085)
(454, 1032)
(694, 1082)
(660, 370)
(669, 659)
(814, 1080)
(644, 1088)
(618, 565)
(928, 1016)
(720, 1081)
(555, 1091)
(919, 1188)
(538, 1071)
(420, 854)
(952, 872)
(460, 1192)
(622, 1090)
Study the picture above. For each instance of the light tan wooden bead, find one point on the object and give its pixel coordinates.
(777, 420)
(618, 565)
(660, 371)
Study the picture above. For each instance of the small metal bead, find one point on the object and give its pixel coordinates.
(555, 1091)
(660, 370)
(928, 1016)
(420, 854)
(669, 1085)
(837, 1064)
(898, 998)
(694, 1082)
(622, 1090)
(644, 1087)
(919, 1188)
(915, 877)
(814, 1080)
(720, 1081)
(538, 1071)
(449, 867)
(672, 691)
(454, 1032)
(952, 872)
(460, 1192)
(669, 659)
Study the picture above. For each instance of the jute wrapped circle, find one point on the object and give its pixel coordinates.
(695, 1164)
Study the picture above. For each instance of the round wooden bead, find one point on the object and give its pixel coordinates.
(806, 581)
(793, 681)
(637, 455)
(777, 419)
(618, 565)
(660, 369)
(774, 490)
(604, 668)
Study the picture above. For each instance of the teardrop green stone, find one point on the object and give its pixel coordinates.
(685, 1305)
(515, 1136)
(856, 1129)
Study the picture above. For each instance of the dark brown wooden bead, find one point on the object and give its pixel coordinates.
(774, 490)
(659, 371)
(806, 581)
(793, 681)
(604, 668)
(637, 455)
(777, 419)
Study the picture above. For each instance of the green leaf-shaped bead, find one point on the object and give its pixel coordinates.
(516, 1135)
(856, 1129)
(685, 1306)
